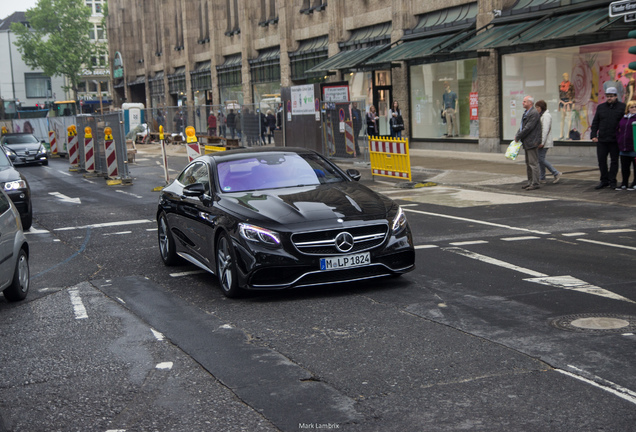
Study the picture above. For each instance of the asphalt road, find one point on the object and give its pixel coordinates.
(521, 315)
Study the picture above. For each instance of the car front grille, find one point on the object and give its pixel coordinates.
(324, 242)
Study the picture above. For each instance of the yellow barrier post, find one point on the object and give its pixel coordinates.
(390, 157)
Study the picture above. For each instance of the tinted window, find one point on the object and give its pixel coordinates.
(275, 170)
(21, 139)
(195, 173)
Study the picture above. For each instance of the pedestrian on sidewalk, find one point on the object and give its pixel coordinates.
(372, 122)
(530, 136)
(625, 139)
(271, 126)
(211, 124)
(546, 142)
(604, 126)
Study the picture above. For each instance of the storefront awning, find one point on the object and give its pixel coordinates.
(158, 77)
(310, 46)
(141, 79)
(418, 48)
(546, 31)
(179, 72)
(363, 44)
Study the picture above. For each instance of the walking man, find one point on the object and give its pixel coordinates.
(604, 126)
(530, 136)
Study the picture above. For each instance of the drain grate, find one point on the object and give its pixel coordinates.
(596, 323)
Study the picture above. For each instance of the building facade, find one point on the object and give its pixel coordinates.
(458, 69)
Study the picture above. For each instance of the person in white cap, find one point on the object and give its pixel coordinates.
(608, 115)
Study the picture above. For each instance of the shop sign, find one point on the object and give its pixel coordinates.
(474, 106)
(623, 7)
(302, 100)
(338, 93)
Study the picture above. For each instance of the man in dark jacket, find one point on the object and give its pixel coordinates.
(530, 136)
(604, 125)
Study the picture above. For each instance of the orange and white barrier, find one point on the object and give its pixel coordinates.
(89, 150)
(72, 146)
(331, 143)
(165, 155)
(390, 157)
(350, 146)
(111, 154)
(193, 147)
(53, 143)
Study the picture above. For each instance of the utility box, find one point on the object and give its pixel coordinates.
(133, 116)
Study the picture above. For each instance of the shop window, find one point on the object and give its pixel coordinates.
(572, 82)
(437, 86)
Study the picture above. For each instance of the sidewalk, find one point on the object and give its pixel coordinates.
(481, 171)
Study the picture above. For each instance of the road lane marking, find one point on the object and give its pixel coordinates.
(621, 392)
(426, 247)
(36, 231)
(65, 173)
(574, 234)
(607, 244)
(78, 306)
(476, 221)
(107, 224)
(519, 238)
(494, 261)
(187, 273)
(466, 243)
(117, 233)
(159, 336)
(563, 282)
(616, 231)
(164, 365)
(128, 193)
(64, 198)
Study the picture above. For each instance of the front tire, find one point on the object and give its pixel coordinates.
(226, 267)
(167, 248)
(19, 287)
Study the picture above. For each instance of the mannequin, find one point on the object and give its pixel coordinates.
(566, 101)
(450, 109)
(631, 85)
(613, 82)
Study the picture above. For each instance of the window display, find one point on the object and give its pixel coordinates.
(571, 80)
(443, 100)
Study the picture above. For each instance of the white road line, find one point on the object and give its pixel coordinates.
(466, 243)
(187, 273)
(164, 365)
(107, 224)
(36, 231)
(78, 306)
(608, 244)
(616, 231)
(426, 247)
(574, 234)
(157, 335)
(89, 181)
(117, 233)
(65, 173)
(494, 261)
(128, 193)
(477, 221)
(151, 229)
(621, 392)
(519, 238)
(563, 282)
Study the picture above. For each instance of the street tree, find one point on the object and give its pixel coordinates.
(56, 39)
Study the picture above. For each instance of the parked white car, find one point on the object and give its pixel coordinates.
(14, 252)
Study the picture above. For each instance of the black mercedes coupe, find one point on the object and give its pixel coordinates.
(275, 218)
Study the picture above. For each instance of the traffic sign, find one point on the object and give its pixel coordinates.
(622, 7)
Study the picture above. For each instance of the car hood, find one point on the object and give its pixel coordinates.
(8, 173)
(348, 201)
(20, 147)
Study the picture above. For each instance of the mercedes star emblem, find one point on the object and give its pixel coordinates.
(344, 242)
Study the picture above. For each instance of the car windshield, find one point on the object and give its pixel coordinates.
(21, 139)
(275, 170)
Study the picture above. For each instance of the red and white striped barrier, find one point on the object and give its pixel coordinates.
(331, 143)
(164, 153)
(89, 150)
(388, 146)
(53, 142)
(111, 154)
(350, 147)
(73, 147)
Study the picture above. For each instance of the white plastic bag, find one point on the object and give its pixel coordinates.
(513, 150)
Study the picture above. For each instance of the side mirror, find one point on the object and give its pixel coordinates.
(354, 174)
(194, 190)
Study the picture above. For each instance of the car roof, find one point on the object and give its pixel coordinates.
(242, 153)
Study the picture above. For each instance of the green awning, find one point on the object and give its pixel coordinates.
(541, 30)
(347, 59)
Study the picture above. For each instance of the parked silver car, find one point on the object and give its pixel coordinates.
(14, 252)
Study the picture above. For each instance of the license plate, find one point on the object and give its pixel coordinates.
(30, 158)
(347, 261)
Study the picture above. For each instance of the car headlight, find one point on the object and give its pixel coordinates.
(42, 149)
(15, 185)
(259, 235)
(8, 151)
(399, 221)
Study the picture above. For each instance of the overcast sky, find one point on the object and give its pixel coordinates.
(7, 7)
